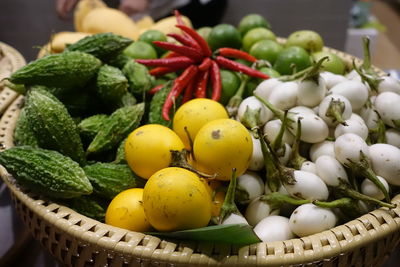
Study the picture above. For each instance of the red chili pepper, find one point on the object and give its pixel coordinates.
(155, 89)
(201, 89)
(179, 84)
(172, 54)
(185, 40)
(174, 62)
(197, 37)
(215, 81)
(160, 71)
(178, 17)
(180, 49)
(206, 64)
(235, 53)
(189, 91)
(236, 66)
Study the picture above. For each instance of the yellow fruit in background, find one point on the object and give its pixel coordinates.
(61, 39)
(58, 42)
(145, 22)
(167, 25)
(112, 20)
(82, 9)
(44, 51)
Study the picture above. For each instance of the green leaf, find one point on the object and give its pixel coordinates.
(236, 234)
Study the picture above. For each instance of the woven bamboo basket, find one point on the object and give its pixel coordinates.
(76, 240)
(10, 61)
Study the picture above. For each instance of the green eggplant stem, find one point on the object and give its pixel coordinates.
(277, 112)
(335, 111)
(237, 98)
(313, 73)
(277, 143)
(229, 206)
(276, 199)
(178, 159)
(296, 160)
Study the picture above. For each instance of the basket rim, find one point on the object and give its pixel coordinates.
(326, 245)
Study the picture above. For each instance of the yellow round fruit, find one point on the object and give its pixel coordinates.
(194, 114)
(148, 149)
(176, 199)
(104, 19)
(126, 211)
(222, 145)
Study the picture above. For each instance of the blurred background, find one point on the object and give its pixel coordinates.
(28, 25)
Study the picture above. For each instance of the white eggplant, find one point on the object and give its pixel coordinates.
(330, 170)
(355, 124)
(309, 219)
(385, 161)
(308, 186)
(273, 228)
(356, 92)
(322, 148)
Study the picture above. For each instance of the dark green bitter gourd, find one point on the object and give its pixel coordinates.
(116, 128)
(52, 125)
(69, 69)
(110, 179)
(90, 126)
(104, 46)
(23, 134)
(46, 172)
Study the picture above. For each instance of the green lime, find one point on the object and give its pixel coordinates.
(255, 35)
(309, 40)
(204, 32)
(252, 21)
(224, 35)
(140, 50)
(230, 84)
(333, 64)
(254, 82)
(293, 58)
(266, 49)
(150, 36)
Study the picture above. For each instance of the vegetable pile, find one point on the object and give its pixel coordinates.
(278, 141)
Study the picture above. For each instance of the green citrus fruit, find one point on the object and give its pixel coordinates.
(140, 50)
(224, 35)
(255, 35)
(333, 64)
(266, 49)
(309, 40)
(230, 84)
(150, 36)
(204, 32)
(293, 58)
(252, 21)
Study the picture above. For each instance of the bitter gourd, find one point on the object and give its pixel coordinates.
(116, 128)
(109, 179)
(69, 69)
(111, 86)
(139, 78)
(46, 171)
(156, 104)
(90, 126)
(23, 134)
(52, 125)
(104, 46)
(91, 206)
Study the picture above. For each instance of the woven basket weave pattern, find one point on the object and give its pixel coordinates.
(76, 240)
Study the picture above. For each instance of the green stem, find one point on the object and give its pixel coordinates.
(396, 124)
(297, 75)
(313, 74)
(335, 111)
(363, 167)
(178, 159)
(337, 203)
(277, 143)
(296, 160)
(357, 195)
(251, 120)
(236, 99)
(272, 171)
(367, 55)
(276, 200)
(229, 206)
(277, 112)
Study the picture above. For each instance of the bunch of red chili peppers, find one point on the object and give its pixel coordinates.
(195, 56)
